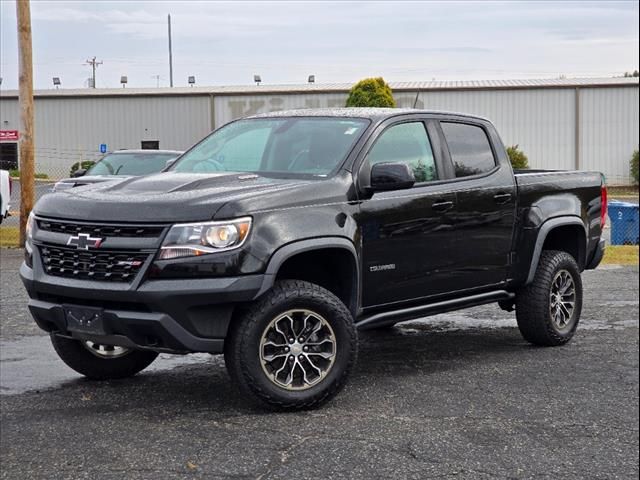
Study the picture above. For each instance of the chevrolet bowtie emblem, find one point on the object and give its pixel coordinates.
(83, 241)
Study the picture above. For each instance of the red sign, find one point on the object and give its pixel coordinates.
(9, 135)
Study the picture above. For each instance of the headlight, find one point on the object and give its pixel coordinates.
(28, 246)
(194, 239)
(29, 228)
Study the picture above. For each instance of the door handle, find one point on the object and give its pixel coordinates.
(441, 205)
(501, 198)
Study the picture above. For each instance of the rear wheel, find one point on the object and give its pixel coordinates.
(293, 348)
(548, 310)
(101, 362)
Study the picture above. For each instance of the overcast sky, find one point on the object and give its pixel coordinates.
(226, 43)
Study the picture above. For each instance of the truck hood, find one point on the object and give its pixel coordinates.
(85, 180)
(162, 197)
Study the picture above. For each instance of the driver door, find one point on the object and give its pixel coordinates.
(407, 235)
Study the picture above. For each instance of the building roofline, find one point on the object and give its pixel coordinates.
(431, 86)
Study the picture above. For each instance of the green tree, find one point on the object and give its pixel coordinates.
(635, 73)
(517, 157)
(634, 167)
(371, 92)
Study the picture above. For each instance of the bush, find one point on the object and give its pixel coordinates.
(634, 166)
(517, 157)
(371, 92)
(16, 173)
(85, 165)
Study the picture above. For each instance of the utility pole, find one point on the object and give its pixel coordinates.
(25, 95)
(157, 77)
(170, 53)
(94, 65)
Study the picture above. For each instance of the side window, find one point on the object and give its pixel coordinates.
(469, 147)
(244, 152)
(407, 143)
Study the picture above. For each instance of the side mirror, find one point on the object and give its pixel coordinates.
(170, 162)
(391, 176)
(78, 173)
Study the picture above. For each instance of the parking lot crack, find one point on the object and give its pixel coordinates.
(282, 457)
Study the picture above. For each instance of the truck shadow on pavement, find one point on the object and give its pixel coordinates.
(386, 360)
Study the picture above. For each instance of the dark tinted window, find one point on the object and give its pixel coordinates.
(470, 149)
(406, 143)
(150, 144)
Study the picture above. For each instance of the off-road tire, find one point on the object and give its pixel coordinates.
(242, 350)
(79, 358)
(533, 302)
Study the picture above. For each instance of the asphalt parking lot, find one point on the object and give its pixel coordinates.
(459, 395)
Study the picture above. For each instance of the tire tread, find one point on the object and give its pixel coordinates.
(78, 358)
(531, 301)
(240, 371)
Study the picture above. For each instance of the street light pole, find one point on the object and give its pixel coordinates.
(170, 52)
(25, 96)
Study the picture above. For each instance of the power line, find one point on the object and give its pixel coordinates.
(94, 65)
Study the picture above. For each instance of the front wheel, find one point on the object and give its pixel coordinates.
(101, 362)
(294, 347)
(548, 310)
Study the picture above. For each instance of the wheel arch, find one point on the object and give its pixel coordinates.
(562, 233)
(334, 266)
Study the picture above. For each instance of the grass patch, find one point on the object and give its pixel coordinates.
(624, 191)
(9, 237)
(39, 176)
(621, 255)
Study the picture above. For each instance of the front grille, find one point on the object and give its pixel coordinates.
(100, 230)
(103, 265)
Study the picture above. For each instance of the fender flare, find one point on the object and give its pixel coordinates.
(542, 236)
(284, 253)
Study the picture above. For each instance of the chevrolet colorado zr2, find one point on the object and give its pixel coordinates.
(279, 236)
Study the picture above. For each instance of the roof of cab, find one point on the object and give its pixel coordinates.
(354, 112)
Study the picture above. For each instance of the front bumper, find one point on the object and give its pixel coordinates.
(177, 315)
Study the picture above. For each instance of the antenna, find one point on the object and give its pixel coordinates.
(415, 102)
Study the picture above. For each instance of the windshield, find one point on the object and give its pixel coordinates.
(279, 146)
(131, 164)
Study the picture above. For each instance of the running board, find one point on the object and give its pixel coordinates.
(388, 318)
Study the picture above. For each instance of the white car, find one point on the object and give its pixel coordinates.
(5, 194)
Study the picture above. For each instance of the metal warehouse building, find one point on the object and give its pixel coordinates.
(588, 124)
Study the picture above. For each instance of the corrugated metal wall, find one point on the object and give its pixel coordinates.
(68, 130)
(541, 121)
(609, 131)
(232, 107)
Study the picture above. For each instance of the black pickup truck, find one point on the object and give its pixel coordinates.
(277, 237)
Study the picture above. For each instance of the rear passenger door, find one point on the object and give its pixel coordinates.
(486, 196)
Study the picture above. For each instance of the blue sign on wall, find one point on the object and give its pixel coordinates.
(103, 148)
